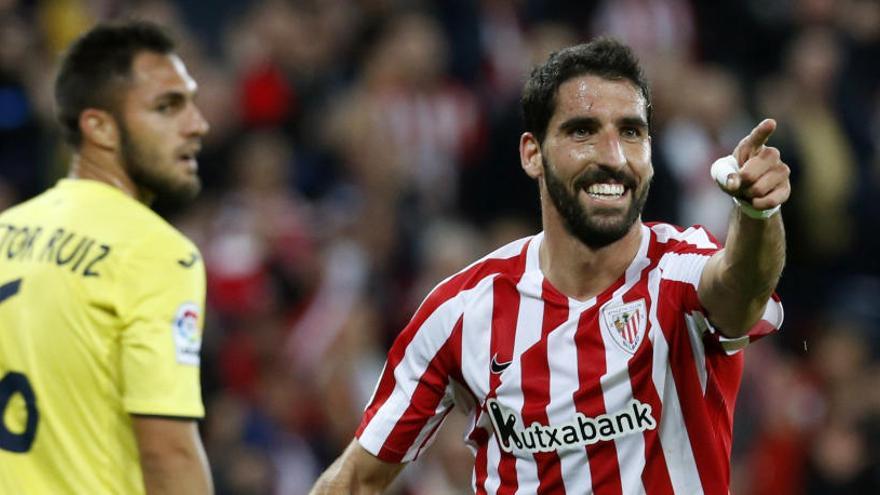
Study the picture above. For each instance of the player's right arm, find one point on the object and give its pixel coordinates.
(172, 458)
(356, 471)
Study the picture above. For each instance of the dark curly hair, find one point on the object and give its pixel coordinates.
(603, 57)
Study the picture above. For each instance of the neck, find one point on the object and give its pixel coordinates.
(579, 271)
(92, 166)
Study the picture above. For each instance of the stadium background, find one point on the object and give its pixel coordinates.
(362, 150)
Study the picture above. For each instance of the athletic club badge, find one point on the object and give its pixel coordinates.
(626, 324)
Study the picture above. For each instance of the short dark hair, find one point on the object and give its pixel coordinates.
(603, 57)
(96, 64)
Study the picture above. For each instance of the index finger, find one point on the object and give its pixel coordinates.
(751, 144)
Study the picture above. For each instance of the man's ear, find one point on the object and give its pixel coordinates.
(99, 128)
(530, 155)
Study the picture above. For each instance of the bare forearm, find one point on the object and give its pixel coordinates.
(754, 255)
(173, 460)
(358, 472)
(748, 270)
(184, 473)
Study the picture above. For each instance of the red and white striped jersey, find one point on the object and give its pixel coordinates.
(630, 392)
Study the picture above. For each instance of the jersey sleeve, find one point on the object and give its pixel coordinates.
(162, 307)
(683, 265)
(416, 388)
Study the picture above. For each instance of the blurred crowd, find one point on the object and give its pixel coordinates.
(363, 150)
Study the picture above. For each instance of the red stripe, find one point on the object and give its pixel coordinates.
(505, 312)
(536, 388)
(481, 437)
(632, 329)
(712, 466)
(655, 476)
(462, 281)
(589, 400)
(725, 374)
(424, 401)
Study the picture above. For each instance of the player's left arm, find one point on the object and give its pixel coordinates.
(738, 281)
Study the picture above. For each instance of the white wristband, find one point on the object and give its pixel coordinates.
(723, 167)
(752, 212)
(727, 165)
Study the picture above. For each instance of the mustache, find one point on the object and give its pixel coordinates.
(192, 147)
(602, 174)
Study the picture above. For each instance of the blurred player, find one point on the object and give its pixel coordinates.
(602, 354)
(101, 301)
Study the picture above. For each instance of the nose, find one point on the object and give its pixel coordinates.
(609, 150)
(196, 125)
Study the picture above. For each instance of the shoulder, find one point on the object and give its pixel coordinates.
(667, 238)
(508, 261)
(25, 208)
(147, 245)
(681, 253)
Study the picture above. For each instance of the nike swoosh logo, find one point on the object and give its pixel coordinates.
(187, 263)
(497, 367)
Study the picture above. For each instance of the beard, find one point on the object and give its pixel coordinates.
(603, 226)
(143, 164)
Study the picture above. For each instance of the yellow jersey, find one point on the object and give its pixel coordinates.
(101, 316)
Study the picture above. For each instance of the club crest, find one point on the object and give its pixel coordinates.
(626, 324)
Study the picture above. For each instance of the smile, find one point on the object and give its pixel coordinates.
(606, 191)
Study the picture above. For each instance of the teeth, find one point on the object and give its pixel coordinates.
(606, 189)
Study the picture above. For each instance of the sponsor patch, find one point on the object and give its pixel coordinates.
(187, 335)
(626, 324)
(583, 430)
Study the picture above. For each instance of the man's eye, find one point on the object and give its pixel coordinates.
(580, 132)
(631, 132)
(167, 107)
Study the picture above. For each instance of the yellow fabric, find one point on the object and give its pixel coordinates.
(101, 315)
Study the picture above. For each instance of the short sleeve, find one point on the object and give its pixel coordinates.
(162, 312)
(682, 268)
(415, 391)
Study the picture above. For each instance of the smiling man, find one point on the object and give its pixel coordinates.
(101, 300)
(602, 355)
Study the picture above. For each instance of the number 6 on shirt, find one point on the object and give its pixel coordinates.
(11, 383)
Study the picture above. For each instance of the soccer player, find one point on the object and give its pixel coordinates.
(601, 355)
(101, 301)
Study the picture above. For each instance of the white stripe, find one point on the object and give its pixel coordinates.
(687, 268)
(696, 331)
(680, 461)
(616, 384)
(697, 237)
(476, 338)
(429, 338)
(564, 382)
(528, 333)
(493, 460)
(773, 313)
